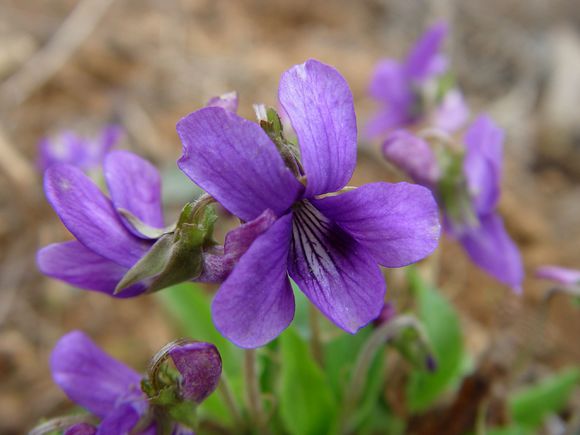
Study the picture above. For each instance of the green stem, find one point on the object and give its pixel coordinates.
(230, 402)
(253, 388)
(376, 341)
(315, 340)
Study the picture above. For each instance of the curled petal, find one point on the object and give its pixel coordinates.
(319, 104)
(337, 274)
(220, 261)
(560, 275)
(90, 216)
(424, 60)
(134, 185)
(255, 304)
(74, 264)
(483, 162)
(236, 162)
(200, 366)
(89, 376)
(397, 223)
(490, 247)
(413, 156)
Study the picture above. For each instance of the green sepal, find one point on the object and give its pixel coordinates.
(177, 256)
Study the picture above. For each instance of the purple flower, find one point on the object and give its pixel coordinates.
(329, 240)
(105, 387)
(84, 153)
(107, 244)
(559, 275)
(112, 391)
(468, 190)
(404, 89)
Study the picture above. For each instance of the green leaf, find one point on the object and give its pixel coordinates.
(530, 406)
(307, 404)
(190, 305)
(443, 330)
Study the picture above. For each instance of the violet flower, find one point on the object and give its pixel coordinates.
(107, 244)
(468, 189)
(406, 90)
(560, 275)
(329, 239)
(73, 149)
(111, 391)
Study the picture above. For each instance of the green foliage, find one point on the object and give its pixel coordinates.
(529, 407)
(307, 403)
(443, 331)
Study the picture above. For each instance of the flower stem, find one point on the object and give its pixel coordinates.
(253, 388)
(376, 341)
(315, 340)
(230, 402)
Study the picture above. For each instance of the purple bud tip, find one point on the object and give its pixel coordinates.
(81, 429)
(200, 366)
(431, 364)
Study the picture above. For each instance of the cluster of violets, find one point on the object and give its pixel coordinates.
(300, 221)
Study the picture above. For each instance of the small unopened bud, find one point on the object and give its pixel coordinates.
(200, 367)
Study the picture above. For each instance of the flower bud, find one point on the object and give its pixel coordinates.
(200, 367)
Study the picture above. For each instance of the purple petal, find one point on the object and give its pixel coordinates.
(452, 113)
(220, 261)
(74, 264)
(236, 162)
(397, 223)
(334, 271)
(255, 304)
(227, 101)
(81, 429)
(89, 376)
(200, 366)
(110, 135)
(121, 421)
(66, 147)
(490, 247)
(386, 120)
(413, 156)
(560, 275)
(90, 216)
(389, 84)
(424, 60)
(319, 104)
(134, 185)
(483, 163)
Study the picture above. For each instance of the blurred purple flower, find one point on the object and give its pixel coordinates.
(84, 153)
(81, 429)
(559, 275)
(112, 391)
(107, 245)
(401, 87)
(330, 244)
(105, 387)
(469, 198)
(227, 101)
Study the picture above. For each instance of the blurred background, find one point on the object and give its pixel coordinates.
(144, 64)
